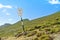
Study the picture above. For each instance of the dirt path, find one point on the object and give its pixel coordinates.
(57, 37)
(20, 38)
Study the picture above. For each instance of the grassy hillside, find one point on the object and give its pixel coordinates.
(50, 23)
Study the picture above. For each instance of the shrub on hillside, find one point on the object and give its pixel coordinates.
(45, 37)
(19, 34)
(35, 39)
(38, 34)
(55, 30)
(31, 29)
(37, 27)
(32, 33)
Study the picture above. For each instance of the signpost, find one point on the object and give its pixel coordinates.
(20, 11)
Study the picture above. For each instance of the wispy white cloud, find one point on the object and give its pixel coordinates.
(54, 1)
(8, 14)
(8, 6)
(5, 6)
(10, 19)
(4, 10)
(16, 7)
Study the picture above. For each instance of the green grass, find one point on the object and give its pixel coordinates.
(49, 21)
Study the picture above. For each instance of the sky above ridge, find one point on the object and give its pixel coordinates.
(31, 9)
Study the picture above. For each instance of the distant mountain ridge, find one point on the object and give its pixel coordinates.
(6, 24)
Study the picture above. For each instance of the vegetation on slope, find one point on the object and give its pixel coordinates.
(42, 28)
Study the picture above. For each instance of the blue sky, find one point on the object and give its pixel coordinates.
(32, 9)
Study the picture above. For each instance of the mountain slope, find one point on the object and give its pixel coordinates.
(49, 21)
